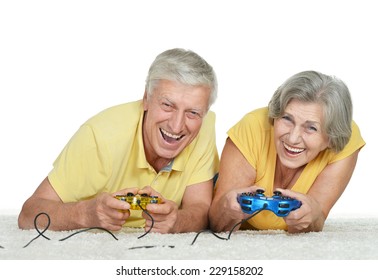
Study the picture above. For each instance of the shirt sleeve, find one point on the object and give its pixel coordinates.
(355, 143)
(251, 135)
(81, 169)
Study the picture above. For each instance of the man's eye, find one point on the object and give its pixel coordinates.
(166, 106)
(193, 115)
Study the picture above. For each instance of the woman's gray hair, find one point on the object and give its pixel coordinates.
(330, 92)
(183, 66)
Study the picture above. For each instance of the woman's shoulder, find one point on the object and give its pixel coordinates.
(256, 117)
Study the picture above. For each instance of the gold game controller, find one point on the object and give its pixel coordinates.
(138, 201)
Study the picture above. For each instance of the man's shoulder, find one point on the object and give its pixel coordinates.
(126, 111)
(210, 117)
(208, 123)
(131, 108)
(117, 121)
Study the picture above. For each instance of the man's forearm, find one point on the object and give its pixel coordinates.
(192, 219)
(52, 214)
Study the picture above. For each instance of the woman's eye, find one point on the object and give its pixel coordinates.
(312, 128)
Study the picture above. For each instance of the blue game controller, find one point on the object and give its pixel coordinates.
(278, 204)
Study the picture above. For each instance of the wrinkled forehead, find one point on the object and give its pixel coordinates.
(310, 112)
(182, 94)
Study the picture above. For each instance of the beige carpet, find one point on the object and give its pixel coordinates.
(341, 239)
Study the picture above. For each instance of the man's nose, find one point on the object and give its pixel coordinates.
(177, 121)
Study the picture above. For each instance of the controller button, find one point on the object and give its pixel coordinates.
(277, 193)
(246, 201)
(245, 208)
(154, 199)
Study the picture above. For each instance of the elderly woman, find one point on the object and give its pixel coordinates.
(304, 144)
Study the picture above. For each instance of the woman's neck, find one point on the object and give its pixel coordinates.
(285, 177)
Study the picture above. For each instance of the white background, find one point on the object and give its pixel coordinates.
(63, 61)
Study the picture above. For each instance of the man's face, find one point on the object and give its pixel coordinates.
(174, 115)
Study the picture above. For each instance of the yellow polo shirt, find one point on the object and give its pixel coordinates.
(106, 154)
(253, 135)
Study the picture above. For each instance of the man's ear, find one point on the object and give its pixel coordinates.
(145, 101)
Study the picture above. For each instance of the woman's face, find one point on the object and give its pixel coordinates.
(299, 134)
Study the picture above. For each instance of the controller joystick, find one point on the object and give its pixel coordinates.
(259, 192)
(278, 204)
(139, 200)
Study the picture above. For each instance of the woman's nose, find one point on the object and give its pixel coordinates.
(295, 135)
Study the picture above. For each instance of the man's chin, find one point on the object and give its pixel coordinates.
(172, 150)
(170, 154)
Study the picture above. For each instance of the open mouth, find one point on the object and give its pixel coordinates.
(292, 150)
(169, 137)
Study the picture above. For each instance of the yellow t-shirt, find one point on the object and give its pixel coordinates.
(106, 154)
(253, 135)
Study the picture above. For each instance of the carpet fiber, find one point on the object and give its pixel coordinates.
(341, 239)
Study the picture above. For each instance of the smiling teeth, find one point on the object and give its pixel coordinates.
(170, 135)
(294, 150)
